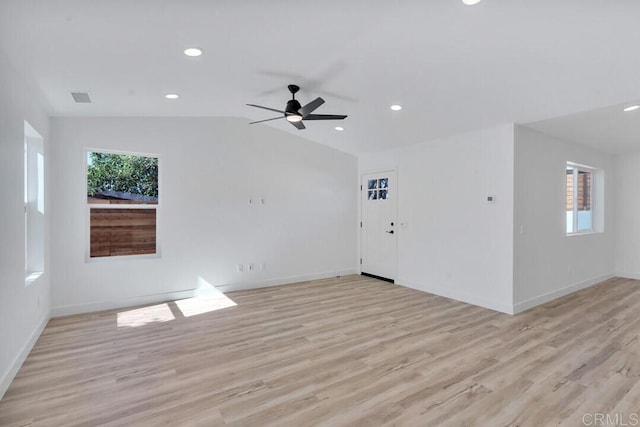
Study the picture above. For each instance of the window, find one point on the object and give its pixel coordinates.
(34, 221)
(579, 199)
(378, 189)
(122, 202)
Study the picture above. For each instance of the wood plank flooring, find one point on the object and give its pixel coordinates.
(351, 351)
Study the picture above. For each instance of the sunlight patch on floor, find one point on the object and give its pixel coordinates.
(204, 304)
(207, 299)
(145, 315)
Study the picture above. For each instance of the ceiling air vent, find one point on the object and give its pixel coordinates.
(81, 97)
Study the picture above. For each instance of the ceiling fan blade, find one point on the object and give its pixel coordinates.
(324, 117)
(310, 107)
(266, 108)
(299, 125)
(266, 120)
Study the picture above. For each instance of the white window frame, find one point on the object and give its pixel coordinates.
(577, 168)
(89, 206)
(34, 205)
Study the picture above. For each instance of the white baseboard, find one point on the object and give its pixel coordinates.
(170, 296)
(456, 295)
(284, 280)
(550, 296)
(69, 310)
(626, 275)
(8, 377)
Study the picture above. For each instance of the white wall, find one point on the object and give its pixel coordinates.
(547, 262)
(456, 244)
(627, 215)
(209, 168)
(24, 311)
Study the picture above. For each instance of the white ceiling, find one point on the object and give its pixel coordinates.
(609, 129)
(454, 68)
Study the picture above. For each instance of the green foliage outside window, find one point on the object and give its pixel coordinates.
(122, 172)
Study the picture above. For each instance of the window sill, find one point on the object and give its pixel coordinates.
(583, 233)
(91, 260)
(32, 277)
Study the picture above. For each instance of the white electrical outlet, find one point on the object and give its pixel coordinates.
(251, 267)
(240, 268)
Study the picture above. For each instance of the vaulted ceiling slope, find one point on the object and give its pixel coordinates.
(454, 68)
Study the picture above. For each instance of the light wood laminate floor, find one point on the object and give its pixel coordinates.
(339, 352)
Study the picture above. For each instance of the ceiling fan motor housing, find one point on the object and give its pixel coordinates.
(292, 106)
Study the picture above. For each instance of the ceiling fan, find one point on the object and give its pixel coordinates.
(295, 113)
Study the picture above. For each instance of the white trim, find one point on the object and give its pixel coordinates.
(125, 152)
(8, 377)
(285, 280)
(69, 310)
(361, 198)
(456, 295)
(577, 168)
(32, 276)
(34, 150)
(582, 166)
(628, 275)
(550, 296)
(189, 293)
(122, 206)
(87, 226)
(379, 170)
(114, 258)
(584, 233)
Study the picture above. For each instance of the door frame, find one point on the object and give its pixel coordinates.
(359, 224)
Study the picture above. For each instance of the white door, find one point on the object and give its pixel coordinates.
(379, 225)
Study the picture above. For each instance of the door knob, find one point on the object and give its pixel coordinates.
(390, 232)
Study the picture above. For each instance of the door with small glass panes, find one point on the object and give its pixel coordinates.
(378, 227)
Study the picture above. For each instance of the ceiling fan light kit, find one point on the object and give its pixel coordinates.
(293, 118)
(295, 113)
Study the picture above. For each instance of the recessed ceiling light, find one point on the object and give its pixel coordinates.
(193, 51)
(396, 107)
(470, 2)
(339, 128)
(172, 96)
(632, 108)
